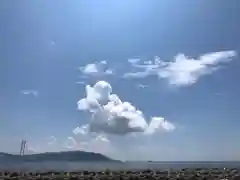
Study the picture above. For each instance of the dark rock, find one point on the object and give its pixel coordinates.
(237, 177)
(14, 174)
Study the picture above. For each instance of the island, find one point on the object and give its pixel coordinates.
(73, 156)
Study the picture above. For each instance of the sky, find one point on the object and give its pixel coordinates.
(134, 80)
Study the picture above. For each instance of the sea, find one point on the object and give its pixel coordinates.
(98, 166)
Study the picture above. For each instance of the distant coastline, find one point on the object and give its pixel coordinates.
(73, 156)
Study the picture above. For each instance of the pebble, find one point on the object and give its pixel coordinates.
(183, 174)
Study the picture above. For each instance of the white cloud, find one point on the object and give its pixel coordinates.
(158, 123)
(142, 86)
(81, 130)
(111, 115)
(96, 69)
(109, 71)
(183, 70)
(133, 61)
(30, 150)
(51, 140)
(90, 142)
(102, 137)
(71, 144)
(30, 92)
(132, 75)
(80, 82)
(189, 148)
(49, 144)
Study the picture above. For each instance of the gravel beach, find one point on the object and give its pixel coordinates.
(190, 174)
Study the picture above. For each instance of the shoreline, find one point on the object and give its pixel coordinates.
(187, 173)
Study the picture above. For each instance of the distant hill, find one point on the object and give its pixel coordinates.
(56, 156)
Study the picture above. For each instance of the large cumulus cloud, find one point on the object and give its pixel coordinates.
(109, 114)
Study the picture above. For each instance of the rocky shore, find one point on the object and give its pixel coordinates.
(188, 174)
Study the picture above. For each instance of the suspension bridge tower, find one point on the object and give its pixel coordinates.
(23, 147)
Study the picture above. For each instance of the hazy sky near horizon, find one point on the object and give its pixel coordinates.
(173, 64)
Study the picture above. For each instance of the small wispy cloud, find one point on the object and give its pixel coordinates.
(133, 61)
(135, 75)
(81, 130)
(80, 82)
(51, 140)
(31, 150)
(182, 71)
(30, 92)
(102, 138)
(142, 86)
(83, 140)
(96, 69)
(70, 143)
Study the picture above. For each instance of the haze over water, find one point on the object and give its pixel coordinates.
(71, 166)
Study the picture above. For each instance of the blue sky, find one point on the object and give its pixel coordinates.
(45, 50)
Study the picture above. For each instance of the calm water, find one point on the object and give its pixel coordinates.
(114, 166)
